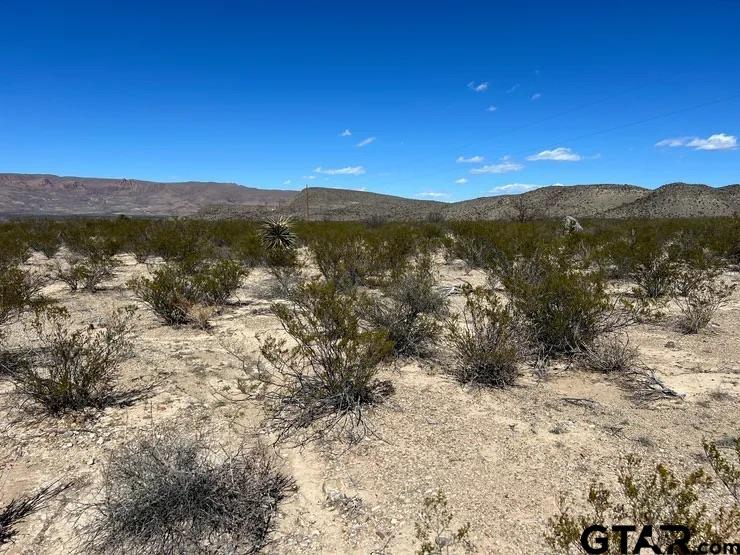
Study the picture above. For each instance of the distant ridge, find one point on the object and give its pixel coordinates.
(51, 195)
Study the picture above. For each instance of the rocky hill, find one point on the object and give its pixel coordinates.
(30, 194)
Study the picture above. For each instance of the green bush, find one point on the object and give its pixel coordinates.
(409, 309)
(75, 369)
(566, 308)
(654, 496)
(86, 273)
(328, 376)
(486, 341)
(175, 289)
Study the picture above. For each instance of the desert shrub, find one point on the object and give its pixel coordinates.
(566, 308)
(610, 354)
(654, 269)
(19, 290)
(174, 289)
(341, 257)
(649, 496)
(487, 344)
(433, 528)
(726, 470)
(75, 369)
(86, 272)
(408, 310)
(20, 508)
(169, 492)
(329, 376)
(701, 304)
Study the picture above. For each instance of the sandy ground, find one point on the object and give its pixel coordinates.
(500, 456)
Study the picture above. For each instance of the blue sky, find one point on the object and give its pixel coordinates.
(439, 99)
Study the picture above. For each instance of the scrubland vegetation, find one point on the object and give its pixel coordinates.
(350, 304)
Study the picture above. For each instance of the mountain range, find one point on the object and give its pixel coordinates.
(51, 195)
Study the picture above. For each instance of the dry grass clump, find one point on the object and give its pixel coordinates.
(170, 492)
(327, 378)
(75, 369)
(22, 507)
(701, 304)
(409, 310)
(486, 341)
(610, 355)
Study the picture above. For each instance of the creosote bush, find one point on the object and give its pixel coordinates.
(434, 531)
(701, 304)
(654, 496)
(175, 289)
(328, 377)
(20, 508)
(170, 492)
(75, 369)
(486, 340)
(566, 308)
(409, 310)
(86, 273)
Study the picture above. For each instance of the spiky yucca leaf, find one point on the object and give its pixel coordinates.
(277, 233)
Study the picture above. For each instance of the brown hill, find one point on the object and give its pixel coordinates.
(34, 194)
(28, 194)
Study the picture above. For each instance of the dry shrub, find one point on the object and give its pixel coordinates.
(487, 344)
(409, 310)
(75, 369)
(19, 291)
(655, 496)
(22, 507)
(329, 376)
(170, 492)
(86, 272)
(701, 304)
(610, 354)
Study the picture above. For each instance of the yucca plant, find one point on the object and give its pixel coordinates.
(277, 233)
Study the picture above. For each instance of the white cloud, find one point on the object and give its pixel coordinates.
(536, 96)
(471, 160)
(515, 188)
(345, 133)
(480, 87)
(365, 142)
(308, 177)
(511, 89)
(287, 182)
(718, 141)
(560, 154)
(348, 170)
(504, 167)
(433, 194)
(461, 181)
(491, 108)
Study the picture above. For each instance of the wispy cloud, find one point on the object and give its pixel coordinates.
(461, 181)
(345, 133)
(560, 154)
(348, 170)
(470, 160)
(511, 89)
(365, 142)
(287, 182)
(504, 167)
(433, 194)
(536, 96)
(479, 87)
(308, 177)
(515, 188)
(718, 141)
(491, 108)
